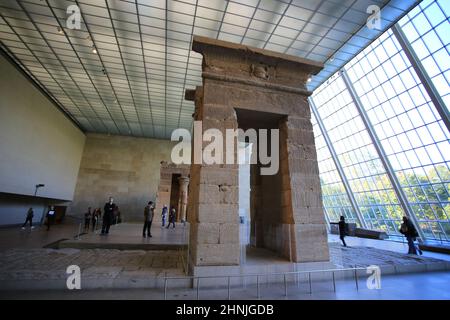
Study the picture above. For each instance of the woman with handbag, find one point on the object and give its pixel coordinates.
(409, 231)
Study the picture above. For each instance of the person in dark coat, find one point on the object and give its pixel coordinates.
(95, 217)
(108, 215)
(172, 217)
(87, 219)
(342, 230)
(50, 216)
(408, 229)
(29, 218)
(148, 218)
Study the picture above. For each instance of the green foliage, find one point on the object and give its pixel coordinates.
(427, 192)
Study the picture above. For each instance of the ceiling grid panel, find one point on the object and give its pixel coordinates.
(134, 84)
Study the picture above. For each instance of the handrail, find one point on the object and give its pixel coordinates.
(258, 275)
(181, 253)
(265, 274)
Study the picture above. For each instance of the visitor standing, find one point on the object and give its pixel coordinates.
(108, 216)
(50, 216)
(87, 219)
(148, 218)
(95, 218)
(29, 218)
(116, 215)
(342, 230)
(164, 215)
(409, 231)
(342, 225)
(172, 217)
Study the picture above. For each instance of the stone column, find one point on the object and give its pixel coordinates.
(308, 232)
(213, 195)
(183, 198)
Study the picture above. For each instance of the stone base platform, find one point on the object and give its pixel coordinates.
(128, 236)
(45, 269)
(271, 268)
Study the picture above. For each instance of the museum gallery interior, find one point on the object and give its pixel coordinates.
(224, 149)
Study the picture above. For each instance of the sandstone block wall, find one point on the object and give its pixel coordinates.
(167, 170)
(213, 198)
(286, 211)
(125, 168)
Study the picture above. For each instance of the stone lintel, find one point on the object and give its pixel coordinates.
(248, 66)
(202, 44)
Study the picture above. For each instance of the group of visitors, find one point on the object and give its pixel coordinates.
(149, 212)
(172, 216)
(92, 218)
(111, 215)
(49, 217)
(407, 228)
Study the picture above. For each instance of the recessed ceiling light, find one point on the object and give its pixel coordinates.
(59, 30)
(94, 50)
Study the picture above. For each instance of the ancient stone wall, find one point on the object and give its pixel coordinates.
(167, 170)
(125, 168)
(285, 207)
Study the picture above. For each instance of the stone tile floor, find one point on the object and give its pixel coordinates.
(41, 264)
(22, 257)
(16, 237)
(347, 257)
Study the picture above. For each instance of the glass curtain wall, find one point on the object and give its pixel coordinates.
(335, 198)
(359, 159)
(410, 130)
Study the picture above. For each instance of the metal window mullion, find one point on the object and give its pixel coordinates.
(418, 67)
(327, 219)
(338, 165)
(381, 153)
(165, 68)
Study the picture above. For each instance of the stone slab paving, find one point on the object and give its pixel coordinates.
(46, 268)
(388, 261)
(105, 268)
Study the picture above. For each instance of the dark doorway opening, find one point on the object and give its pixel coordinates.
(175, 194)
(267, 226)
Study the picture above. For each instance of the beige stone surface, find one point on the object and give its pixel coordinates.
(165, 189)
(125, 168)
(254, 88)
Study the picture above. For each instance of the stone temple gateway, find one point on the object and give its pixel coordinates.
(245, 88)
